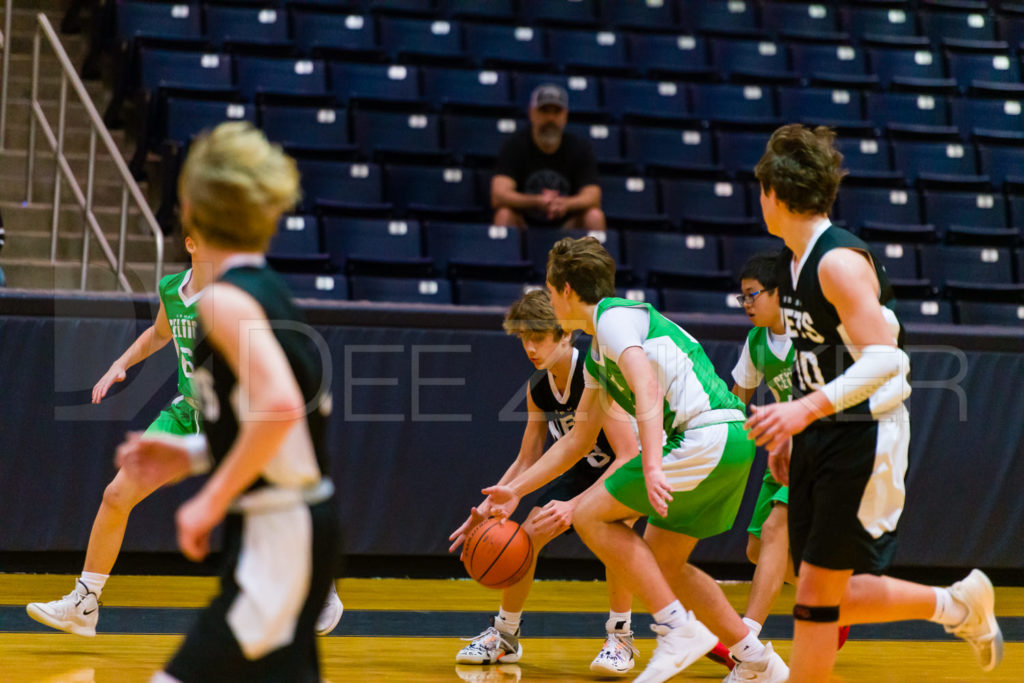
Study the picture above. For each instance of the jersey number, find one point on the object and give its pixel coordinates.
(808, 373)
(186, 361)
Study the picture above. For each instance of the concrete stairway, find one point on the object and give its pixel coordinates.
(26, 257)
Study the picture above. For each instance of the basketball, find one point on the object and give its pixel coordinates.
(498, 553)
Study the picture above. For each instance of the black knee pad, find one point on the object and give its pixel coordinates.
(818, 614)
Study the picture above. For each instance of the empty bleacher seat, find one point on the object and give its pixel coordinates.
(400, 290)
(160, 68)
(703, 201)
(390, 82)
(246, 25)
(644, 14)
(467, 87)
(1001, 156)
(629, 197)
(977, 265)
(317, 286)
(719, 15)
(874, 19)
(341, 182)
(672, 254)
(498, 43)
(858, 205)
(595, 50)
(605, 139)
(478, 136)
(665, 99)
(950, 157)
(726, 102)
(905, 62)
(159, 20)
(669, 146)
(425, 187)
(923, 311)
(699, 301)
(306, 127)
(865, 154)
(808, 19)
(990, 110)
(736, 249)
(265, 75)
(835, 106)
(470, 292)
(297, 235)
(923, 109)
(432, 38)
(945, 208)
(540, 240)
(346, 33)
(764, 58)
(959, 19)
(452, 245)
(346, 239)
(377, 132)
(490, 10)
(185, 117)
(569, 12)
(739, 151)
(901, 260)
(812, 59)
(987, 62)
(988, 313)
(673, 54)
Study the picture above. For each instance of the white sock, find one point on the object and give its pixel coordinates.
(948, 610)
(748, 649)
(672, 616)
(618, 622)
(94, 582)
(508, 622)
(753, 626)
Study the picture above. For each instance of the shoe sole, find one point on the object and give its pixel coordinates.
(987, 603)
(505, 659)
(334, 623)
(43, 618)
(711, 641)
(608, 671)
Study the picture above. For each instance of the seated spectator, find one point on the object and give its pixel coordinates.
(545, 176)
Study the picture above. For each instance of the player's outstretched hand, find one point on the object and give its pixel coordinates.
(771, 425)
(115, 374)
(555, 517)
(196, 519)
(476, 515)
(778, 462)
(504, 501)
(152, 461)
(658, 490)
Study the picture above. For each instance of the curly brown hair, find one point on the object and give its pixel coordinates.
(803, 167)
(586, 265)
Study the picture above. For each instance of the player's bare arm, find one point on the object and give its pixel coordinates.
(504, 194)
(271, 405)
(154, 338)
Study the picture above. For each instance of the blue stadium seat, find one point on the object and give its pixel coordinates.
(629, 197)
(806, 19)
(921, 109)
(474, 244)
(865, 154)
(736, 249)
(901, 260)
(703, 201)
(810, 59)
(861, 20)
(903, 62)
(1001, 158)
(377, 132)
(478, 136)
(647, 295)
(604, 138)
(595, 50)
(264, 75)
(830, 106)
(185, 118)
(540, 240)
(913, 157)
(408, 7)
(718, 15)
(933, 311)
(987, 313)
(672, 254)
(744, 56)
(306, 127)
(487, 293)
(858, 205)
(400, 290)
(497, 43)
(467, 87)
(246, 25)
(1004, 112)
(489, 10)
(698, 301)
(317, 286)
(371, 239)
(341, 182)
(184, 69)
(996, 64)
(980, 209)
(739, 152)
(423, 187)
(351, 33)
(159, 20)
(657, 53)
(583, 95)
(951, 20)
(653, 14)
(568, 12)
(977, 265)
(664, 99)
(746, 103)
(669, 146)
(1010, 24)
(388, 82)
(432, 38)
(297, 235)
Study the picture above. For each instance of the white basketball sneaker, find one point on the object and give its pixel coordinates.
(769, 669)
(617, 656)
(677, 649)
(77, 612)
(330, 613)
(979, 628)
(490, 647)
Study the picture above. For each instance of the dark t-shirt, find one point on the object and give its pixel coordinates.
(571, 168)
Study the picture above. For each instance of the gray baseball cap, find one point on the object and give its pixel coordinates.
(549, 93)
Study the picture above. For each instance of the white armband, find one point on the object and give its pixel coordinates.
(198, 449)
(876, 365)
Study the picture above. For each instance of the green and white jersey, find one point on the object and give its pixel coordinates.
(181, 314)
(766, 356)
(692, 387)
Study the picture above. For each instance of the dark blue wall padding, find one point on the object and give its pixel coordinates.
(428, 408)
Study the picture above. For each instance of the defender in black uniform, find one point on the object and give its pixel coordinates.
(841, 443)
(554, 391)
(263, 393)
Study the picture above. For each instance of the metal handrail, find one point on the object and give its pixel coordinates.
(63, 168)
(8, 11)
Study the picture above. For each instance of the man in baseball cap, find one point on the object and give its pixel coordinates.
(545, 176)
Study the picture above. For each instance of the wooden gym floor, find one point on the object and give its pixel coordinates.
(408, 630)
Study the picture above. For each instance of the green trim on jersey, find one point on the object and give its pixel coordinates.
(181, 315)
(778, 372)
(689, 370)
(178, 419)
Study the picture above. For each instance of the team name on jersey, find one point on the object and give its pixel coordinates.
(781, 383)
(801, 324)
(183, 328)
(563, 421)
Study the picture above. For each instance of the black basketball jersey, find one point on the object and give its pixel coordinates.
(560, 411)
(819, 339)
(303, 456)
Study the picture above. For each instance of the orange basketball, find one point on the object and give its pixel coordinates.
(497, 553)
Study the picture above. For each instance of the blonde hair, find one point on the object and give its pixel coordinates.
(238, 184)
(533, 315)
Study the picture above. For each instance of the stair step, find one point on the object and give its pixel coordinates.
(105, 192)
(31, 244)
(20, 87)
(13, 163)
(39, 273)
(38, 217)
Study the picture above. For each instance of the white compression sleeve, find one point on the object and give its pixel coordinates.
(876, 365)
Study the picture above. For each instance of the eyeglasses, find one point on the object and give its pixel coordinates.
(748, 299)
